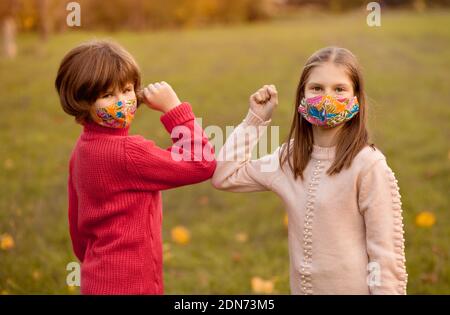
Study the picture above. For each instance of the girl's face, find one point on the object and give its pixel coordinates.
(329, 79)
(113, 96)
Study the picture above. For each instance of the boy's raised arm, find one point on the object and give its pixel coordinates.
(189, 160)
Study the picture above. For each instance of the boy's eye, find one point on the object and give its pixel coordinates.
(107, 95)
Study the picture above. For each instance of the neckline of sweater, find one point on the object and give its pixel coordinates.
(92, 128)
(323, 153)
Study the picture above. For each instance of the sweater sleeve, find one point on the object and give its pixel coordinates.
(236, 171)
(189, 160)
(380, 204)
(78, 241)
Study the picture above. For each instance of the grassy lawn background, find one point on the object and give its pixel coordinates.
(406, 64)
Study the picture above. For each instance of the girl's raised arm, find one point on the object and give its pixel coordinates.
(235, 170)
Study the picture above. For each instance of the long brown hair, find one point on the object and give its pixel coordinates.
(352, 137)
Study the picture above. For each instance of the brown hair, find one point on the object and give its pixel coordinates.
(352, 137)
(89, 70)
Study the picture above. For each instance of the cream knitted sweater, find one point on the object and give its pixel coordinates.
(345, 231)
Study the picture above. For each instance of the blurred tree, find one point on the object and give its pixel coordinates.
(8, 9)
(43, 19)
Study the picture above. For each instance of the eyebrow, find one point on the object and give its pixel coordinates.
(112, 90)
(335, 85)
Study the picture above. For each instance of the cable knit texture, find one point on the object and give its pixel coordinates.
(115, 209)
(345, 231)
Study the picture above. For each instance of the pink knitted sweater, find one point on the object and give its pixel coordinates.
(345, 231)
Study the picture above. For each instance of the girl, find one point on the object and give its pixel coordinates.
(342, 199)
(115, 179)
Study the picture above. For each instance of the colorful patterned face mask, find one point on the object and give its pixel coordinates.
(327, 110)
(116, 115)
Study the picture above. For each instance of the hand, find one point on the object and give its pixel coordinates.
(160, 96)
(264, 101)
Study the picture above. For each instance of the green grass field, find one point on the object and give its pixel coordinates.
(406, 63)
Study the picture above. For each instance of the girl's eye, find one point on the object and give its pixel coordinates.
(317, 88)
(107, 95)
(339, 90)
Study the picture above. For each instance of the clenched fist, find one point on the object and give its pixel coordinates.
(160, 96)
(264, 101)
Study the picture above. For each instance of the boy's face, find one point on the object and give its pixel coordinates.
(329, 79)
(115, 107)
(112, 96)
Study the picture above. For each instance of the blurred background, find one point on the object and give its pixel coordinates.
(215, 53)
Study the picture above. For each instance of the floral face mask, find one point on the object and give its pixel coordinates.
(116, 115)
(328, 111)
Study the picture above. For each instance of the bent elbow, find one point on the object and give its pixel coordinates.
(218, 182)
